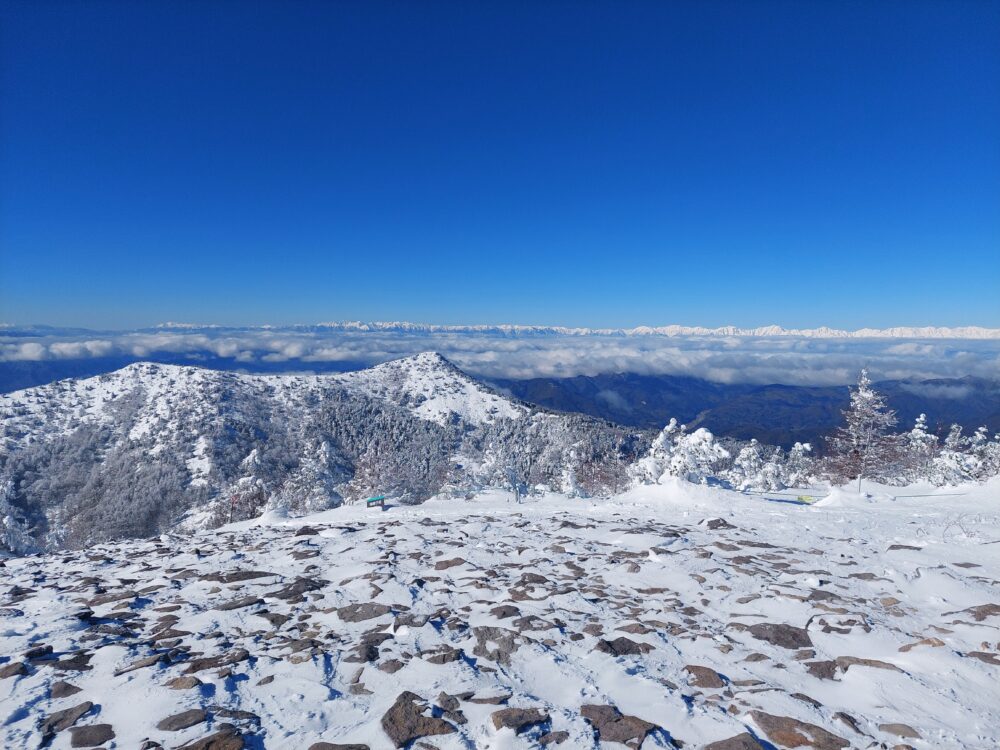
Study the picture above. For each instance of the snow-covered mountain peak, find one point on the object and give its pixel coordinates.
(434, 389)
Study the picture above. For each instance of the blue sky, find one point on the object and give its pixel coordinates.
(606, 164)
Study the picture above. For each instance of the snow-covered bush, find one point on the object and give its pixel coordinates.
(693, 456)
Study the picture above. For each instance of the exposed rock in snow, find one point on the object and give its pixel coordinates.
(787, 625)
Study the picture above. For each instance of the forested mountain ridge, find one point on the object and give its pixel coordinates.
(154, 447)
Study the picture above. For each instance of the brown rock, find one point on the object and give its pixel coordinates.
(405, 721)
(518, 719)
(704, 677)
(183, 720)
(824, 670)
(613, 726)
(901, 730)
(553, 738)
(622, 646)
(781, 635)
(986, 657)
(185, 682)
(227, 738)
(846, 662)
(745, 741)
(783, 730)
(14, 669)
(443, 655)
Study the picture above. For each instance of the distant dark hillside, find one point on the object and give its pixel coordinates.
(777, 414)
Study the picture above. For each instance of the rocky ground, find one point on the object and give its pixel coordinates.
(670, 617)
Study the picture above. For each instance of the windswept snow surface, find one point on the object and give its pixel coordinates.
(703, 612)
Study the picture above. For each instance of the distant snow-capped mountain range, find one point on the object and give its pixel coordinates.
(153, 447)
(823, 332)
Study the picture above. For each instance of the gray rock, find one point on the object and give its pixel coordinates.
(295, 590)
(62, 689)
(242, 602)
(64, 719)
(504, 611)
(496, 644)
(183, 720)
(214, 662)
(781, 635)
(91, 735)
(362, 612)
(622, 646)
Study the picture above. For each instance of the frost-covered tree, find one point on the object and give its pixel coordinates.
(745, 471)
(964, 459)
(696, 455)
(799, 466)
(864, 446)
(14, 534)
(246, 497)
(988, 454)
(918, 449)
(752, 471)
(653, 466)
(983, 454)
(313, 485)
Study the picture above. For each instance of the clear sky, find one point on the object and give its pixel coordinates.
(579, 163)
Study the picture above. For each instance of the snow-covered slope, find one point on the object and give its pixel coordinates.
(434, 389)
(174, 399)
(671, 615)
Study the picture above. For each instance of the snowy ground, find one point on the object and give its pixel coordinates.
(698, 614)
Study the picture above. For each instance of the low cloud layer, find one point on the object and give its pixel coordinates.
(727, 359)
